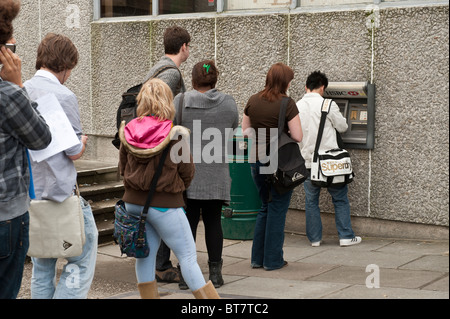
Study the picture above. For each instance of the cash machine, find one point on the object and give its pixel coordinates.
(356, 100)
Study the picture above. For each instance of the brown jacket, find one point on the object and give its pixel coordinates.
(138, 166)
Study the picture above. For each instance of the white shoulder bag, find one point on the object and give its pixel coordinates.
(331, 167)
(56, 229)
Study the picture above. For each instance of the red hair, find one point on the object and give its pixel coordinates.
(277, 81)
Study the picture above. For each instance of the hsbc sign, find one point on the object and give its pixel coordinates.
(346, 90)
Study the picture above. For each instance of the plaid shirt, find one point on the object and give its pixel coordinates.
(21, 127)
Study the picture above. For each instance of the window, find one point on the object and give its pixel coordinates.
(323, 3)
(186, 6)
(257, 4)
(121, 8)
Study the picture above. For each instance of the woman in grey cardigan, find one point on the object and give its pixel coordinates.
(212, 117)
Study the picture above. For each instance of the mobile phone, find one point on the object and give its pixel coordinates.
(10, 46)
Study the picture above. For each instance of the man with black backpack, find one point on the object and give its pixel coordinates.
(176, 48)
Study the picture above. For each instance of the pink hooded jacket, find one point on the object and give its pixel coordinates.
(142, 142)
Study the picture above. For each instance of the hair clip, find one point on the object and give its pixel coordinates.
(206, 66)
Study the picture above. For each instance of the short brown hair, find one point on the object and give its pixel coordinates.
(204, 73)
(174, 38)
(9, 9)
(277, 81)
(57, 53)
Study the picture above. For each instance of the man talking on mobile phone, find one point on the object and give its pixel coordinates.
(21, 128)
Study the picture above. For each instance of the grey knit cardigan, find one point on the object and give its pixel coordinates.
(210, 113)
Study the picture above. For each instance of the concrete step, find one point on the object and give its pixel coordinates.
(90, 172)
(102, 191)
(104, 217)
(105, 231)
(101, 186)
(104, 207)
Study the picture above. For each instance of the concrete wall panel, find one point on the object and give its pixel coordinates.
(247, 47)
(339, 44)
(410, 162)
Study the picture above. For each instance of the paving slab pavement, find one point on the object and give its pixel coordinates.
(378, 268)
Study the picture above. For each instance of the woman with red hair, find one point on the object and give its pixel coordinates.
(261, 116)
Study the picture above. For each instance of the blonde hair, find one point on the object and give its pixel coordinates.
(155, 99)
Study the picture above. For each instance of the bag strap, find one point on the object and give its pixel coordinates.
(281, 123)
(155, 179)
(162, 69)
(141, 233)
(282, 115)
(78, 190)
(281, 119)
(180, 109)
(167, 67)
(326, 105)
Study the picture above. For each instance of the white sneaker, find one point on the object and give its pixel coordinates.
(316, 243)
(349, 242)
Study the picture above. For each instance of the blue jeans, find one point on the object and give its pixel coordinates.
(173, 228)
(77, 275)
(341, 211)
(268, 239)
(14, 245)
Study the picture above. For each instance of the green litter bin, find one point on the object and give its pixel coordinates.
(245, 202)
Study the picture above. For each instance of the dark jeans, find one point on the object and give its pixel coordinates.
(14, 243)
(211, 215)
(163, 257)
(268, 239)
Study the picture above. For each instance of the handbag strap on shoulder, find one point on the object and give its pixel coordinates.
(325, 109)
(77, 189)
(282, 115)
(155, 180)
(143, 217)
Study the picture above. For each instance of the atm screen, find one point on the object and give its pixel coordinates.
(343, 105)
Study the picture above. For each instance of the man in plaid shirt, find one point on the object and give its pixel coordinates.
(21, 128)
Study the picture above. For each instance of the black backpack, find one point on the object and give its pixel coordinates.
(127, 108)
(291, 170)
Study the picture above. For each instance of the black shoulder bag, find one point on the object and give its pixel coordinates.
(291, 170)
(331, 167)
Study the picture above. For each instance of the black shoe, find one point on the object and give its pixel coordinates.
(285, 263)
(215, 273)
(169, 275)
(182, 284)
